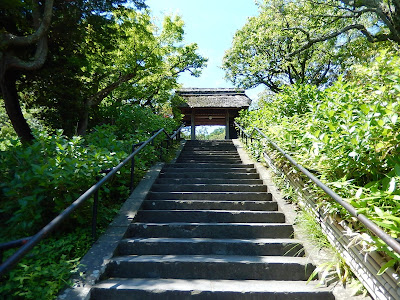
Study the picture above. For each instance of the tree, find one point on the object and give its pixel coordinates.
(13, 43)
(144, 65)
(264, 50)
(119, 56)
(27, 38)
(376, 20)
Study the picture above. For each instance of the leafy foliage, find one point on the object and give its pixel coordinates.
(264, 51)
(121, 59)
(43, 278)
(43, 178)
(349, 135)
(98, 51)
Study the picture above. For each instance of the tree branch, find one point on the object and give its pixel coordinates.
(100, 95)
(38, 61)
(322, 77)
(9, 39)
(312, 41)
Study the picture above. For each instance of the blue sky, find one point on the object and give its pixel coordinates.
(212, 25)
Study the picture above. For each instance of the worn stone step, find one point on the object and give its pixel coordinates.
(208, 180)
(191, 144)
(210, 267)
(213, 205)
(206, 166)
(215, 216)
(206, 246)
(212, 142)
(202, 289)
(203, 174)
(211, 230)
(211, 157)
(200, 149)
(216, 169)
(209, 188)
(240, 196)
(207, 160)
(209, 152)
(204, 150)
(209, 144)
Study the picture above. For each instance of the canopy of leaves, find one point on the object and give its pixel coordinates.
(101, 50)
(273, 48)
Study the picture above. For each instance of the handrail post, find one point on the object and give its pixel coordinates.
(132, 170)
(94, 213)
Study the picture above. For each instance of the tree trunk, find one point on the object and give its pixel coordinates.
(83, 119)
(9, 92)
(97, 98)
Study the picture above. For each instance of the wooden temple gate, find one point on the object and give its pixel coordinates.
(213, 107)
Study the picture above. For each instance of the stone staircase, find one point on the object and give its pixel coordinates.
(209, 229)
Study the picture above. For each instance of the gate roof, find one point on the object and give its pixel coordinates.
(214, 98)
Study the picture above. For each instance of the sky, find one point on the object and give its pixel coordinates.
(211, 24)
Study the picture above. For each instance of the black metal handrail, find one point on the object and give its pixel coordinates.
(26, 244)
(391, 242)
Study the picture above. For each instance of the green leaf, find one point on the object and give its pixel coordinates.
(386, 266)
(397, 169)
(364, 108)
(378, 211)
(397, 87)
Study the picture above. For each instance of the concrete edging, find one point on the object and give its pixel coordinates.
(94, 262)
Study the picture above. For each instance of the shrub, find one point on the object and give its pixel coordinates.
(349, 134)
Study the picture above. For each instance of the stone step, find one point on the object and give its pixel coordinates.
(211, 230)
(209, 188)
(212, 205)
(210, 267)
(226, 175)
(208, 160)
(215, 169)
(214, 216)
(240, 196)
(209, 149)
(205, 246)
(207, 180)
(206, 166)
(202, 289)
(211, 157)
(209, 154)
(209, 142)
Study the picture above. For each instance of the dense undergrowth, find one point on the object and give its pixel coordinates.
(39, 180)
(347, 134)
